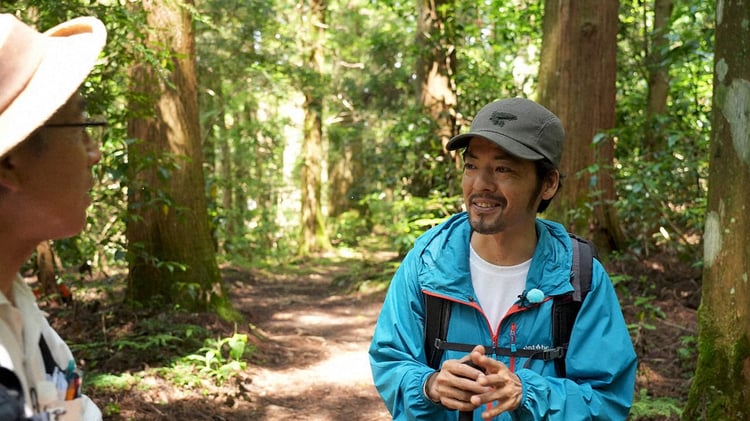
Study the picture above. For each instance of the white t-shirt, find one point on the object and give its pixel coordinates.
(497, 287)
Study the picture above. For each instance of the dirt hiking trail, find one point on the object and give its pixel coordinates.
(312, 362)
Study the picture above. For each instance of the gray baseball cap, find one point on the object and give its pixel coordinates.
(520, 126)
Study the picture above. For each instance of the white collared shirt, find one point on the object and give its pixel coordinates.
(21, 326)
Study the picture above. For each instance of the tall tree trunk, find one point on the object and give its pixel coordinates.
(721, 387)
(266, 161)
(345, 170)
(45, 268)
(172, 257)
(658, 77)
(313, 236)
(577, 82)
(227, 179)
(213, 138)
(436, 66)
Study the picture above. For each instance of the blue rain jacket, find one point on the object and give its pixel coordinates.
(600, 362)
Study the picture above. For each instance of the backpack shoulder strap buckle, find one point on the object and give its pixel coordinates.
(553, 353)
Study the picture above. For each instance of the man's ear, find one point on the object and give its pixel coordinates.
(8, 172)
(551, 185)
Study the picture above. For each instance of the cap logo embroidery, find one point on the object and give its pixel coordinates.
(500, 118)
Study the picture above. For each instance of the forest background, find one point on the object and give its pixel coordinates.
(259, 134)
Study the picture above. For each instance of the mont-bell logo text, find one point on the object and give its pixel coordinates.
(500, 118)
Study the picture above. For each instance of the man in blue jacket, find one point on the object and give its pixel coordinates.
(486, 261)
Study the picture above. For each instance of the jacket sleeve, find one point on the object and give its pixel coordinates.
(600, 364)
(397, 356)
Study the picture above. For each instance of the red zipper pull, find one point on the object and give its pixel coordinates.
(512, 346)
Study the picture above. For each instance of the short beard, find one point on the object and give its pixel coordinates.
(486, 228)
(485, 224)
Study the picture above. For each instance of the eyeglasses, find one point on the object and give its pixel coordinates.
(93, 128)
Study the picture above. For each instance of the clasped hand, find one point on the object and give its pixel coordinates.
(460, 386)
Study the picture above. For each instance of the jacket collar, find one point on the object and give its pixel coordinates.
(444, 252)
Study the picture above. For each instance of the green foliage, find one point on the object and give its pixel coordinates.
(688, 350)
(244, 72)
(402, 221)
(111, 408)
(365, 276)
(418, 215)
(350, 228)
(144, 343)
(218, 360)
(647, 312)
(168, 342)
(662, 193)
(646, 407)
(499, 53)
(112, 382)
(149, 336)
(641, 293)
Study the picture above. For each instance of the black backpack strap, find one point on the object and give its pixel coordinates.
(49, 361)
(584, 253)
(564, 312)
(436, 317)
(565, 307)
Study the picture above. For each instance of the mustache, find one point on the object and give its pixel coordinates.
(489, 196)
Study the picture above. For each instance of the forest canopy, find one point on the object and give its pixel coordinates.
(381, 165)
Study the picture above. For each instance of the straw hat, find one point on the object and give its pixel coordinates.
(40, 72)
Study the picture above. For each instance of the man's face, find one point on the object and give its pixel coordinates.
(501, 192)
(54, 175)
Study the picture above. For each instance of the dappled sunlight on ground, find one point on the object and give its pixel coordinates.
(312, 362)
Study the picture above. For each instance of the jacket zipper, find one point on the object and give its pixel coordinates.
(512, 335)
(513, 347)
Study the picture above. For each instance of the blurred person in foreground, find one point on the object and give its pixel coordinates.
(46, 157)
(500, 266)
